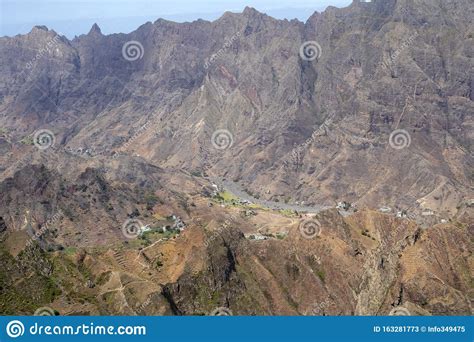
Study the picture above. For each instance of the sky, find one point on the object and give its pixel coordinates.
(75, 17)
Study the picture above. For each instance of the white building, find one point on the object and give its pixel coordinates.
(427, 212)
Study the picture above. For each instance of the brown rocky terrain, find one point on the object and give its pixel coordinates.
(384, 65)
(133, 138)
(365, 264)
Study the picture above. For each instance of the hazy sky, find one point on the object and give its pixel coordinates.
(75, 17)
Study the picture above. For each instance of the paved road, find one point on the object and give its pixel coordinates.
(239, 192)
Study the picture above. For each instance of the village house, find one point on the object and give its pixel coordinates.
(385, 210)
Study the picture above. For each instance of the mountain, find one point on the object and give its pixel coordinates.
(369, 105)
(380, 70)
(367, 264)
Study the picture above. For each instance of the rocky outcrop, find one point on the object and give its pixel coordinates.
(132, 118)
(316, 131)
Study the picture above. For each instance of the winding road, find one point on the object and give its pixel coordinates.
(237, 190)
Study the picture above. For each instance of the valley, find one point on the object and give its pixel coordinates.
(263, 166)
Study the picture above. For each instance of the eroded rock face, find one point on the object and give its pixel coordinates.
(367, 264)
(133, 131)
(313, 130)
(335, 274)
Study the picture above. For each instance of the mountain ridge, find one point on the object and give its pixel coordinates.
(176, 76)
(358, 109)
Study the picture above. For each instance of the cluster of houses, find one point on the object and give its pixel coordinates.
(399, 213)
(215, 190)
(346, 206)
(343, 206)
(260, 237)
(257, 237)
(426, 213)
(178, 225)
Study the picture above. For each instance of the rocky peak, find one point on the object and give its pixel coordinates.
(40, 35)
(355, 41)
(95, 30)
(39, 28)
(307, 130)
(250, 11)
(252, 14)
